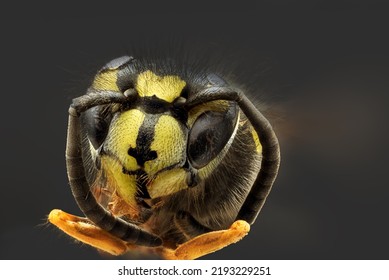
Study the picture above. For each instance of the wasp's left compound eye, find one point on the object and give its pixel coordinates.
(96, 124)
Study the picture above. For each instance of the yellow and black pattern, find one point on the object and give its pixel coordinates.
(168, 157)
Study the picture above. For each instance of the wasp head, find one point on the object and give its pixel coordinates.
(152, 145)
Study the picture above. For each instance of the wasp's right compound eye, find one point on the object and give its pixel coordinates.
(209, 134)
(96, 123)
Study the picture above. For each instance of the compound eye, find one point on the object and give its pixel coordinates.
(209, 134)
(96, 123)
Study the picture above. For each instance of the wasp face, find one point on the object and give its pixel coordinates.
(153, 146)
(158, 156)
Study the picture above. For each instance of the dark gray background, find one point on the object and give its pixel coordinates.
(323, 69)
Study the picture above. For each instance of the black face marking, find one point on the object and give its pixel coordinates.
(142, 155)
(142, 152)
(154, 105)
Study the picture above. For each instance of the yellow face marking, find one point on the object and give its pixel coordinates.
(124, 184)
(169, 142)
(106, 81)
(122, 135)
(167, 88)
(256, 141)
(168, 182)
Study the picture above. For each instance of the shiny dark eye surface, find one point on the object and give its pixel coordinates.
(96, 123)
(209, 134)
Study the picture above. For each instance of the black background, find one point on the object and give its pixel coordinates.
(322, 68)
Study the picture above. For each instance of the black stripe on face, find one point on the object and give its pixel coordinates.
(154, 105)
(142, 152)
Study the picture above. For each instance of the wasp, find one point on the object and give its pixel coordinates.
(165, 161)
